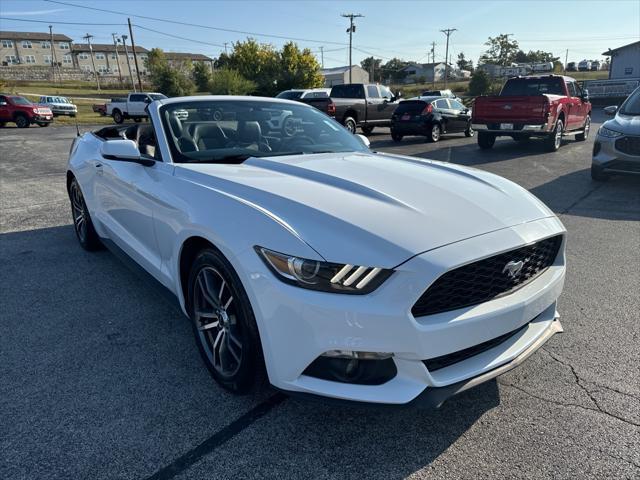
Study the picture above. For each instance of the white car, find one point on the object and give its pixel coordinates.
(347, 273)
(59, 105)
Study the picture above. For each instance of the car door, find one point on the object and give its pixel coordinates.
(461, 114)
(374, 104)
(136, 105)
(583, 109)
(574, 104)
(388, 105)
(126, 195)
(448, 117)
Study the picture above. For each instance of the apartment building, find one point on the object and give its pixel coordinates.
(108, 62)
(34, 48)
(176, 58)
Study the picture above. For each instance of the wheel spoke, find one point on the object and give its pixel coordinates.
(226, 306)
(209, 326)
(231, 350)
(205, 291)
(235, 340)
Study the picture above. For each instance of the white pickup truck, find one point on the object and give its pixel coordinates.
(134, 107)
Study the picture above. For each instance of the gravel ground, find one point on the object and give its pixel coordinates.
(100, 376)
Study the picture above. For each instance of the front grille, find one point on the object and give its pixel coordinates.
(628, 145)
(443, 361)
(487, 279)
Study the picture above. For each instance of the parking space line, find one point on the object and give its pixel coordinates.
(183, 462)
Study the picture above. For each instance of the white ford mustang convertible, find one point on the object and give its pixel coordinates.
(299, 252)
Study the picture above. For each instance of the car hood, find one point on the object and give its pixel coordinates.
(369, 208)
(627, 124)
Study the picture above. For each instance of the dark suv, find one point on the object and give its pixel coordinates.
(430, 117)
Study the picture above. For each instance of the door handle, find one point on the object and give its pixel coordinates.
(97, 165)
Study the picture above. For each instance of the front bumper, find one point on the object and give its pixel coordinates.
(42, 118)
(606, 155)
(297, 326)
(70, 113)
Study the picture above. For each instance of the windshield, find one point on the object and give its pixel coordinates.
(290, 95)
(157, 96)
(230, 131)
(631, 105)
(532, 86)
(20, 101)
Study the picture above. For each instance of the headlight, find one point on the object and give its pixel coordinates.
(323, 276)
(605, 132)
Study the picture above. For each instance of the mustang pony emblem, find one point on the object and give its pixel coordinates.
(507, 107)
(513, 268)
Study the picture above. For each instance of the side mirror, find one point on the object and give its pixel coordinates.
(399, 95)
(365, 141)
(585, 95)
(124, 151)
(147, 100)
(610, 110)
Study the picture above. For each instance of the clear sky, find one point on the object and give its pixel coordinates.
(403, 29)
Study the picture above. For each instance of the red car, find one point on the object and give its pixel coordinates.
(549, 106)
(22, 112)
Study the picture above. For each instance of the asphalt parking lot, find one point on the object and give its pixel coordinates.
(100, 376)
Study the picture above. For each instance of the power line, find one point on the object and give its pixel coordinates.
(52, 22)
(179, 37)
(176, 22)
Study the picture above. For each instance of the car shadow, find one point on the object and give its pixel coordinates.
(118, 363)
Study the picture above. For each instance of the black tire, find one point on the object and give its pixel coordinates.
(598, 174)
(22, 121)
(434, 133)
(581, 137)
(3, 124)
(469, 132)
(73, 115)
(486, 140)
(554, 139)
(236, 319)
(117, 116)
(43, 124)
(396, 137)
(367, 130)
(350, 124)
(82, 223)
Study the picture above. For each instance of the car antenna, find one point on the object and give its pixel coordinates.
(77, 128)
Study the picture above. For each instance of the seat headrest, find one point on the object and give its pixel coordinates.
(250, 132)
(208, 131)
(176, 125)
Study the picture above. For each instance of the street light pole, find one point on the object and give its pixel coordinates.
(115, 45)
(88, 38)
(124, 42)
(350, 31)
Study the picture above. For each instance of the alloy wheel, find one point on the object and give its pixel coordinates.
(216, 316)
(79, 212)
(557, 141)
(587, 127)
(435, 133)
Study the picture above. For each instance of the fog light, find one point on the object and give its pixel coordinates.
(357, 355)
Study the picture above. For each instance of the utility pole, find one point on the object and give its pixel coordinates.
(225, 47)
(322, 56)
(350, 31)
(433, 59)
(115, 45)
(88, 38)
(135, 55)
(566, 59)
(124, 42)
(447, 32)
(54, 61)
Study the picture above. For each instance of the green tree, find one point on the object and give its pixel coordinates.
(229, 82)
(537, 56)
(479, 83)
(463, 63)
(392, 70)
(201, 76)
(297, 69)
(501, 51)
(172, 81)
(373, 64)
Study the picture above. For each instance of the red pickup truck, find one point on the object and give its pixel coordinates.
(22, 112)
(550, 106)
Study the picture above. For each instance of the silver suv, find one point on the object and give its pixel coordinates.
(617, 145)
(59, 105)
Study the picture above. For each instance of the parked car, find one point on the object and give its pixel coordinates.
(571, 67)
(59, 105)
(22, 112)
(439, 93)
(617, 145)
(430, 117)
(363, 105)
(100, 108)
(347, 273)
(584, 66)
(133, 107)
(551, 107)
(316, 97)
